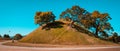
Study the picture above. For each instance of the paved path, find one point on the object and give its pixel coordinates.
(16, 48)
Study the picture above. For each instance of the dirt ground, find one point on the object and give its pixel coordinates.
(55, 47)
(16, 43)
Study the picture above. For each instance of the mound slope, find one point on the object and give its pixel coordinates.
(62, 35)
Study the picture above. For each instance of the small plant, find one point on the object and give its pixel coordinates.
(17, 36)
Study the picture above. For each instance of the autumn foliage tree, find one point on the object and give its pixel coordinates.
(100, 22)
(96, 22)
(44, 17)
(73, 14)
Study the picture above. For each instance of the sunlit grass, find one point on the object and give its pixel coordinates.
(64, 35)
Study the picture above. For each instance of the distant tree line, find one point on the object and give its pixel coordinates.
(96, 22)
(7, 37)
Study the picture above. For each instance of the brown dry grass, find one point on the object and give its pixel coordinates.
(3, 39)
(63, 36)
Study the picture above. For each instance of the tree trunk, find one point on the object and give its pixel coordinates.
(97, 30)
(71, 24)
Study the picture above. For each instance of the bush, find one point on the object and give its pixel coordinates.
(6, 37)
(0, 36)
(17, 36)
(118, 39)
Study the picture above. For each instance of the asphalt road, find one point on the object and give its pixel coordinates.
(16, 48)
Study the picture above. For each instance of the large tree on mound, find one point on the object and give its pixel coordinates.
(96, 22)
(44, 17)
(100, 21)
(74, 14)
(79, 19)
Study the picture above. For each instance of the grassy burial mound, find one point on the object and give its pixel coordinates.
(73, 28)
(62, 33)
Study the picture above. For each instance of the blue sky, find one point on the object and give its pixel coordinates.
(17, 16)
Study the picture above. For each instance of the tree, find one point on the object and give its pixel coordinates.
(118, 39)
(44, 17)
(73, 14)
(96, 22)
(99, 21)
(0, 36)
(114, 37)
(6, 37)
(86, 21)
(17, 36)
(104, 35)
(115, 34)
